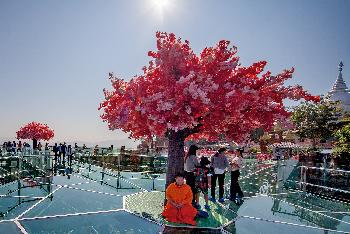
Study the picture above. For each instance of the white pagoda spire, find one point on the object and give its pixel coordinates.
(340, 91)
(339, 85)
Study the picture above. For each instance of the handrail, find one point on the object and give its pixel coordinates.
(326, 169)
(320, 186)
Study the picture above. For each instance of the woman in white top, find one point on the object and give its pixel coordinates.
(219, 163)
(190, 163)
(235, 189)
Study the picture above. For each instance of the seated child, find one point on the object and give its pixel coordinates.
(202, 181)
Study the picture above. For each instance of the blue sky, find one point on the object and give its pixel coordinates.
(55, 56)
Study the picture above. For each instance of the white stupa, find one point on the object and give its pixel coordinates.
(339, 91)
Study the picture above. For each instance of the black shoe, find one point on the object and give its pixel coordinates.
(239, 202)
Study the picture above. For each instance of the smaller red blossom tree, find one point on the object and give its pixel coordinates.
(35, 131)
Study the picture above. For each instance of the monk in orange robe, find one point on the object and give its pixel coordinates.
(179, 207)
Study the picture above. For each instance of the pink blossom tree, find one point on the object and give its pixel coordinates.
(181, 94)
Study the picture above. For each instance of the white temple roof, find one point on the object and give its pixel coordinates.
(340, 91)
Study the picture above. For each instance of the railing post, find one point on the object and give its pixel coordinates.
(103, 175)
(118, 182)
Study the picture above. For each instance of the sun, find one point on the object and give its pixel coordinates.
(160, 9)
(160, 4)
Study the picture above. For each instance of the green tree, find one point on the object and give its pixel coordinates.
(343, 140)
(316, 121)
(342, 149)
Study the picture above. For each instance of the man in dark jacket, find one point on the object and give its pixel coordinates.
(63, 151)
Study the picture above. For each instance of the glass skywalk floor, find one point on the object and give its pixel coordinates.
(86, 198)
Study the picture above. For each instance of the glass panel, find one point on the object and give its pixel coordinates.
(147, 183)
(111, 178)
(69, 201)
(7, 188)
(35, 191)
(91, 172)
(145, 180)
(9, 227)
(278, 210)
(326, 182)
(108, 186)
(248, 226)
(336, 209)
(254, 178)
(11, 207)
(68, 180)
(115, 222)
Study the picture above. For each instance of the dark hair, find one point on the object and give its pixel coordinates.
(204, 161)
(222, 150)
(191, 151)
(240, 150)
(179, 174)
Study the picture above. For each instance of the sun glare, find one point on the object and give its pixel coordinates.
(161, 4)
(160, 10)
(160, 7)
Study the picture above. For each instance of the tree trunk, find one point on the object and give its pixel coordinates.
(263, 147)
(175, 155)
(35, 143)
(280, 136)
(313, 142)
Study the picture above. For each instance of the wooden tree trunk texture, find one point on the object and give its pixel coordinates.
(175, 155)
(35, 143)
(263, 147)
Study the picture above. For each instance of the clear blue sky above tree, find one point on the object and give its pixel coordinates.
(55, 55)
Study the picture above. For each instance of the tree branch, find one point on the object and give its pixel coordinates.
(190, 131)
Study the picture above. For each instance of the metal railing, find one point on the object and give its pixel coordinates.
(328, 182)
